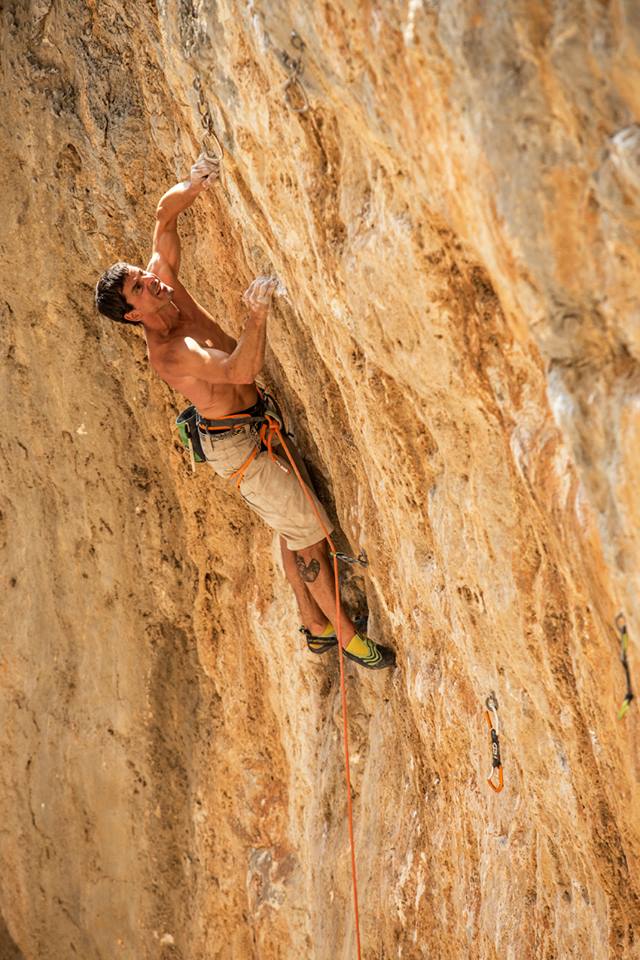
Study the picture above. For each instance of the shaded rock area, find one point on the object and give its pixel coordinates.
(456, 218)
(8, 949)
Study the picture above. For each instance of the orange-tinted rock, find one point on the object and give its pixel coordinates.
(456, 220)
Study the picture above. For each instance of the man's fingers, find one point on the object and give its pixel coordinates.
(206, 160)
(260, 291)
(205, 169)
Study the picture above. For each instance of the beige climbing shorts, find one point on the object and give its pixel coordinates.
(270, 487)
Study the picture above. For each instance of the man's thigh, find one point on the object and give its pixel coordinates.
(273, 491)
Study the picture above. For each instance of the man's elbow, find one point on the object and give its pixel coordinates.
(164, 215)
(241, 375)
(242, 379)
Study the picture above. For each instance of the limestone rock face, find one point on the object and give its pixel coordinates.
(456, 218)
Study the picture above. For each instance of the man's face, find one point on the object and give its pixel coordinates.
(145, 292)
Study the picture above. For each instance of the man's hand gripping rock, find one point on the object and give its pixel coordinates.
(257, 297)
(205, 170)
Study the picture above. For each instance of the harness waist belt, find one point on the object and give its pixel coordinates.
(233, 421)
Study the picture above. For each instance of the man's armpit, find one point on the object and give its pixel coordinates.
(162, 269)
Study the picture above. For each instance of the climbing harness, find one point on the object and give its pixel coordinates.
(266, 415)
(360, 559)
(621, 627)
(494, 733)
(295, 66)
(207, 122)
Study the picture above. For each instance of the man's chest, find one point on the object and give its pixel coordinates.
(196, 323)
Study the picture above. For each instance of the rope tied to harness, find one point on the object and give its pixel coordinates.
(343, 690)
(272, 430)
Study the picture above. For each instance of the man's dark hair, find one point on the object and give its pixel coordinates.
(110, 299)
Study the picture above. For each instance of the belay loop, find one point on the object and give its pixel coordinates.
(494, 733)
(271, 424)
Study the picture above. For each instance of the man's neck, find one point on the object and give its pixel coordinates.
(163, 321)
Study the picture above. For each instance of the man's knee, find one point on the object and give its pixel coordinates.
(314, 552)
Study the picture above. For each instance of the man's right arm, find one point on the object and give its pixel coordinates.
(188, 358)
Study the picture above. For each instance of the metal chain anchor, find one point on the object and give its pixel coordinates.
(207, 121)
(494, 732)
(295, 66)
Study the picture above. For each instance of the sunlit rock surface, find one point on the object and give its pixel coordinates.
(456, 219)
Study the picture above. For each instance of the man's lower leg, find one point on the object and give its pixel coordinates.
(311, 615)
(316, 573)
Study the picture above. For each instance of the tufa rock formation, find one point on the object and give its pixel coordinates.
(456, 217)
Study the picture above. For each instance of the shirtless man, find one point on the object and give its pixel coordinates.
(190, 351)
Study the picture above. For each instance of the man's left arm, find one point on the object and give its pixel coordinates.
(165, 255)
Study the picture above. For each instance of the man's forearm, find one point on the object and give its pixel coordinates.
(247, 360)
(177, 199)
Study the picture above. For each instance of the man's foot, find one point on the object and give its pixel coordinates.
(365, 652)
(322, 642)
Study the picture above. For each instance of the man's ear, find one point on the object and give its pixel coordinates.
(133, 315)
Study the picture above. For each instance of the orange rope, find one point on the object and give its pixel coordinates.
(274, 427)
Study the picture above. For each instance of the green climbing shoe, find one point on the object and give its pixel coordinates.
(368, 654)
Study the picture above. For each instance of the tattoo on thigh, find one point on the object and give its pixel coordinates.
(308, 572)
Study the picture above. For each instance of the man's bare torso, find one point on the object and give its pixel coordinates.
(211, 400)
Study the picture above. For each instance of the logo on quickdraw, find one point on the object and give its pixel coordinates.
(494, 732)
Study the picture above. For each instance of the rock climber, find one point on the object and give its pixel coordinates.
(189, 350)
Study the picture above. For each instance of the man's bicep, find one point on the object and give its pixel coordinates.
(166, 245)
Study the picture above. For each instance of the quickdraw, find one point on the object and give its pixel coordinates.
(621, 627)
(494, 732)
(295, 66)
(361, 558)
